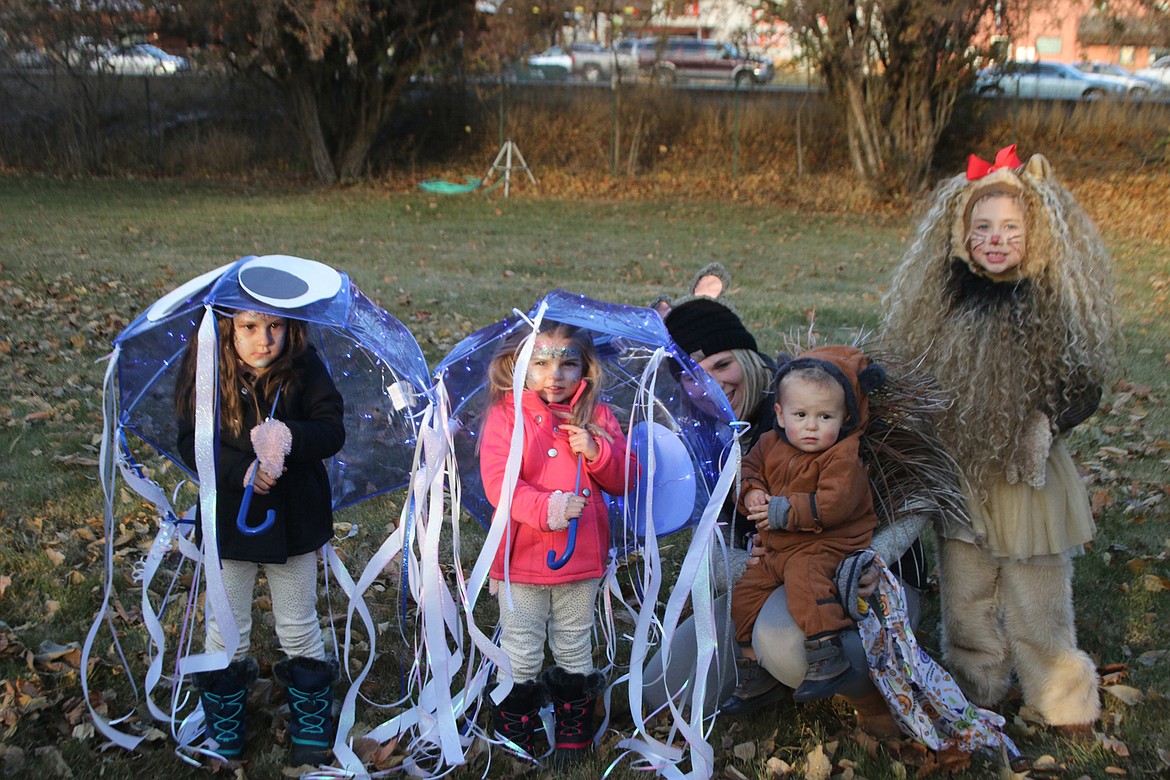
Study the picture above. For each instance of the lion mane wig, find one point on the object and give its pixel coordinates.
(1054, 336)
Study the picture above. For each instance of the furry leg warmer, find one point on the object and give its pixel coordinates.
(975, 647)
(1057, 678)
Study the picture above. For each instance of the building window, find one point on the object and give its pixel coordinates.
(1048, 44)
(1127, 55)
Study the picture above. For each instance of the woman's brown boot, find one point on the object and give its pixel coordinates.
(873, 716)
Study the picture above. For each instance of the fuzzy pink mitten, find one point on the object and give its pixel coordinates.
(272, 441)
(1031, 457)
(558, 502)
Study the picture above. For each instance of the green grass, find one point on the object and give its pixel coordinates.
(78, 260)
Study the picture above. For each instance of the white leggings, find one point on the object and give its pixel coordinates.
(565, 611)
(293, 586)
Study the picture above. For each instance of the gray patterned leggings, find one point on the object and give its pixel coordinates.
(293, 585)
(564, 611)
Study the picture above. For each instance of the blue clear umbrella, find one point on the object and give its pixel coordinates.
(687, 418)
(372, 358)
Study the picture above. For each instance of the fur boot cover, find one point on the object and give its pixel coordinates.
(1005, 615)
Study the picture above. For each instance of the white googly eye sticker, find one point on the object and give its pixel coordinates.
(286, 282)
(167, 304)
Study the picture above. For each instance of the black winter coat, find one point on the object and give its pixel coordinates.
(312, 408)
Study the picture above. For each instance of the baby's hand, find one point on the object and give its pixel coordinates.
(581, 442)
(756, 550)
(756, 503)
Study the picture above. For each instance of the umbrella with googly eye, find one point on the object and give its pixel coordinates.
(372, 358)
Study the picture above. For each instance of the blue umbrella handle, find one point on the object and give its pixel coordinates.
(242, 518)
(554, 562)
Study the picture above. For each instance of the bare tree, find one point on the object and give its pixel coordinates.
(341, 64)
(895, 68)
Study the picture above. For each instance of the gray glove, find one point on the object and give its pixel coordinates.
(849, 572)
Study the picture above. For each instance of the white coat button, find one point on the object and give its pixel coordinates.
(552, 452)
(585, 492)
(539, 418)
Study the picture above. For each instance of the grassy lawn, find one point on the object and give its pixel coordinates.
(78, 260)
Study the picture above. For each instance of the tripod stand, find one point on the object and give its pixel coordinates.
(504, 163)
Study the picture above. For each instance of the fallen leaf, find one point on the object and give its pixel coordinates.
(1045, 763)
(52, 657)
(1115, 745)
(56, 556)
(1152, 583)
(778, 767)
(5, 581)
(1125, 693)
(817, 765)
(744, 751)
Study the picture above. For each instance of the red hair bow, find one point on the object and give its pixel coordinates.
(1004, 158)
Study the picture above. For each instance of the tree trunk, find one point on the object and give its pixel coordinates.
(308, 121)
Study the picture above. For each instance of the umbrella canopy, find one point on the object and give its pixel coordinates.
(372, 358)
(688, 417)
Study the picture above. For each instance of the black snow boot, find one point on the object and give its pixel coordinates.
(573, 696)
(308, 686)
(517, 718)
(223, 694)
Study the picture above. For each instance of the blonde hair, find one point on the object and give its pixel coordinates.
(503, 366)
(231, 373)
(999, 363)
(757, 381)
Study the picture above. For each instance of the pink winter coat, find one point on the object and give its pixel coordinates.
(546, 465)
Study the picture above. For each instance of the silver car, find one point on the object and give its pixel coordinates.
(1159, 72)
(1051, 80)
(140, 59)
(1135, 85)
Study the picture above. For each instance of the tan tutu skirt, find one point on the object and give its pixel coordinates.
(1021, 522)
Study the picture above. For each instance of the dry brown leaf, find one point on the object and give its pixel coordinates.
(1115, 745)
(1045, 763)
(5, 581)
(55, 556)
(53, 657)
(1152, 583)
(778, 767)
(817, 765)
(744, 751)
(1126, 694)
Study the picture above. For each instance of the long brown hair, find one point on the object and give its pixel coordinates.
(233, 373)
(999, 368)
(503, 364)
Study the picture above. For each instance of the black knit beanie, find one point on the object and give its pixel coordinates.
(707, 326)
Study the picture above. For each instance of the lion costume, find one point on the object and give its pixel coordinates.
(1024, 353)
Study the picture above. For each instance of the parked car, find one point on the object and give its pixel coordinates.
(1053, 80)
(699, 59)
(552, 64)
(595, 62)
(140, 59)
(1134, 86)
(1159, 72)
